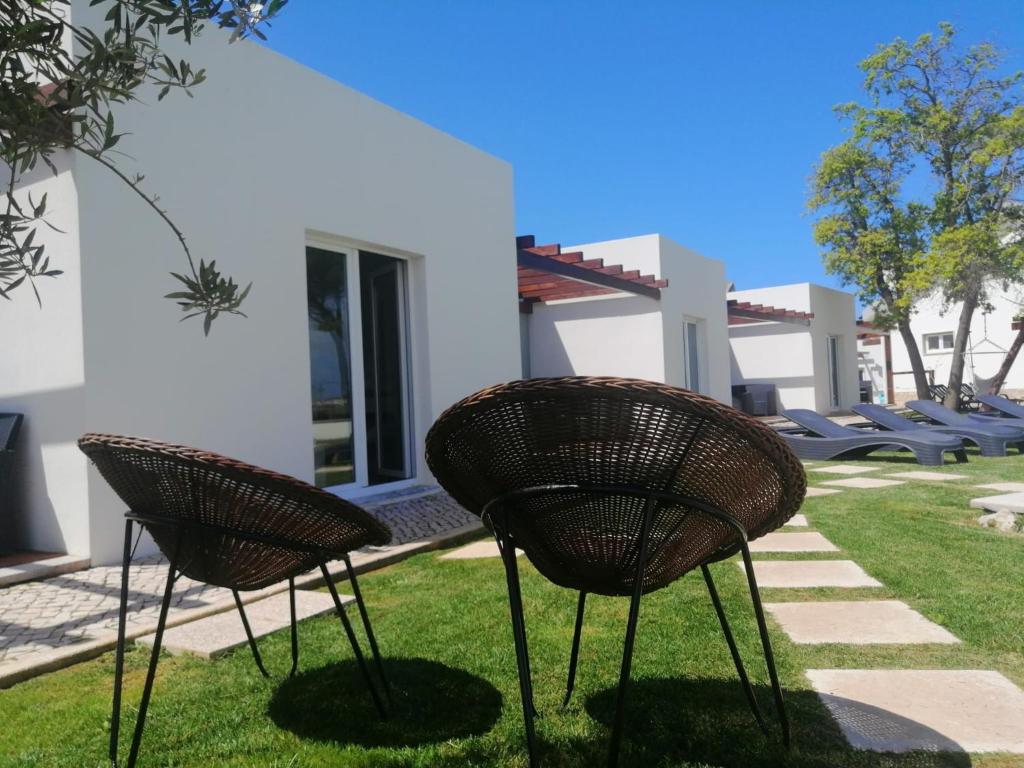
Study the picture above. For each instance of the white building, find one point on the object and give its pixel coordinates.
(802, 338)
(660, 316)
(280, 174)
(934, 328)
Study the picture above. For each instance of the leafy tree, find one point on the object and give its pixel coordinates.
(871, 239)
(60, 84)
(935, 108)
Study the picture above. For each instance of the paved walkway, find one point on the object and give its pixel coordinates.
(892, 709)
(41, 621)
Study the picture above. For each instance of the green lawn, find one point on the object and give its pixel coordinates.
(444, 629)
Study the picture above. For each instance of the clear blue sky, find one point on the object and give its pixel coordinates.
(698, 120)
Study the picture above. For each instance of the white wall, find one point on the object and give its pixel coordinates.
(619, 335)
(633, 335)
(266, 153)
(792, 356)
(42, 376)
(932, 317)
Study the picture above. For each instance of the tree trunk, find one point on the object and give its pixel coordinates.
(1011, 356)
(916, 363)
(956, 367)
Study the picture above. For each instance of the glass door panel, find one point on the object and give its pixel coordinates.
(385, 361)
(330, 361)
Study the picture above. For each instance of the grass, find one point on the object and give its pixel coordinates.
(444, 629)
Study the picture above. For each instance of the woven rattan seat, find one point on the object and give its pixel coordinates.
(616, 487)
(253, 527)
(234, 525)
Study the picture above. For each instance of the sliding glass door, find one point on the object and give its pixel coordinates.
(359, 367)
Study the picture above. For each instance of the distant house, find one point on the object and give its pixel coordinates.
(381, 253)
(642, 307)
(800, 338)
(934, 327)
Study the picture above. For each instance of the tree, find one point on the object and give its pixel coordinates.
(60, 83)
(934, 108)
(872, 240)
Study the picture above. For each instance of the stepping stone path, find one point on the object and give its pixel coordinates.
(901, 710)
(857, 622)
(846, 469)
(475, 551)
(814, 491)
(887, 710)
(810, 573)
(797, 521)
(793, 542)
(1004, 487)
(864, 482)
(926, 476)
(1011, 502)
(216, 635)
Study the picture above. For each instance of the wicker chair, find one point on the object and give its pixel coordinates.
(616, 487)
(232, 525)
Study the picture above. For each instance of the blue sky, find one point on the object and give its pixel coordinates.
(701, 121)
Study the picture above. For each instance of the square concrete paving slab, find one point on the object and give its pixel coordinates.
(927, 476)
(810, 573)
(1004, 487)
(475, 551)
(814, 491)
(793, 542)
(940, 710)
(857, 622)
(216, 635)
(846, 469)
(1014, 502)
(864, 482)
(797, 521)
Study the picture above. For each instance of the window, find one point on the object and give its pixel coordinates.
(935, 343)
(692, 378)
(359, 367)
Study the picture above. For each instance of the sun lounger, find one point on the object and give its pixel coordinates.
(1004, 405)
(942, 415)
(990, 445)
(834, 441)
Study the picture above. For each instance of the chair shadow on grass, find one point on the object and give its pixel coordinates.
(678, 720)
(432, 703)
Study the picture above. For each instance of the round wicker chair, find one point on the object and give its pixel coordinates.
(232, 525)
(616, 487)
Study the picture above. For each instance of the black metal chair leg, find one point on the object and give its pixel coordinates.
(122, 611)
(766, 644)
(248, 634)
(733, 650)
(574, 655)
(520, 627)
(366, 626)
(295, 628)
(360, 660)
(627, 651)
(508, 557)
(147, 689)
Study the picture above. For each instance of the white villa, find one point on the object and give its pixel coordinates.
(674, 331)
(803, 339)
(409, 231)
(934, 328)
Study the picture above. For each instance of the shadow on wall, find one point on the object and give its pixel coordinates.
(549, 355)
(29, 519)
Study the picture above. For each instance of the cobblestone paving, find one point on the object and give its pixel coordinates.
(41, 616)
